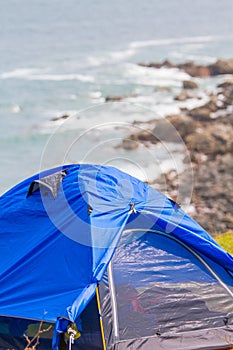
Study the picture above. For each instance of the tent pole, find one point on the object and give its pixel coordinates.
(101, 320)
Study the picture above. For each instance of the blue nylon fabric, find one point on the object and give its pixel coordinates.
(53, 252)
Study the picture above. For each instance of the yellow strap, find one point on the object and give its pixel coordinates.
(101, 321)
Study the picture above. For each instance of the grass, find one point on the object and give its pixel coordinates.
(226, 241)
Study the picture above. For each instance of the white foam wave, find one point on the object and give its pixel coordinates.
(16, 109)
(39, 74)
(21, 73)
(121, 55)
(111, 57)
(155, 77)
(63, 77)
(184, 40)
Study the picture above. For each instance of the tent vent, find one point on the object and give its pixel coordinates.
(50, 182)
(89, 209)
(176, 205)
(132, 208)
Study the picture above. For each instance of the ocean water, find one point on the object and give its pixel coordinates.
(63, 58)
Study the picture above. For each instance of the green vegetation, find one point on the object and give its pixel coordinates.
(226, 241)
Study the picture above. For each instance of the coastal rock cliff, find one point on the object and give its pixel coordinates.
(207, 133)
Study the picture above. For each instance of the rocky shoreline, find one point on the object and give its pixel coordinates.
(207, 133)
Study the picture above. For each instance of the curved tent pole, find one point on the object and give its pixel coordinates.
(100, 318)
(207, 266)
(113, 301)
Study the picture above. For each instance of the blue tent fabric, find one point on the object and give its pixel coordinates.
(55, 249)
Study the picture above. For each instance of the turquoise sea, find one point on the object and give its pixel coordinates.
(63, 58)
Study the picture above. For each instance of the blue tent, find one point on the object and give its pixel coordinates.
(60, 229)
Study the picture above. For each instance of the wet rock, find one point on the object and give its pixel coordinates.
(129, 144)
(182, 96)
(213, 104)
(221, 67)
(227, 119)
(185, 95)
(226, 84)
(212, 140)
(202, 113)
(195, 70)
(65, 116)
(114, 98)
(144, 136)
(118, 98)
(227, 95)
(163, 89)
(208, 135)
(166, 64)
(190, 84)
(184, 124)
(166, 132)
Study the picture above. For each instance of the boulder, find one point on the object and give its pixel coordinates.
(201, 142)
(194, 70)
(221, 67)
(65, 116)
(185, 95)
(226, 84)
(114, 98)
(165, 131)
(212, 140)
(227, 93)
(117, 98)
(129, 144)
(184, 124)
(202, 113)
(146, 136)
(158, 65)
(131, 141)
(182, 96)
(190, 84)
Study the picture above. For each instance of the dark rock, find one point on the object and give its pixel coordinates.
(118, 98)
(147, 136)
(221, 67)
(114, 98)
(227, 95)
(166, 64)
(65, 116)
(185, 95)
(201, 142)
(165, 131)
(190, 84)
(213, 104)
(201, 113)
(212, 197)
(212, 140)
(227, 119)
(183, 124)
(129, 144)
(226, 84)
(195, 70)
(144, 136)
